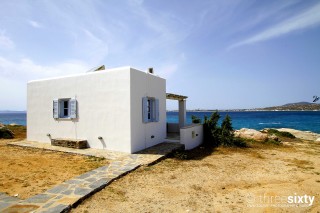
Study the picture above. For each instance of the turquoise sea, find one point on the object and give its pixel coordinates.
(300, 120)
(304, 120)
(16, 117)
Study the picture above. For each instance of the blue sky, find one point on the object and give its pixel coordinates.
(222, 54)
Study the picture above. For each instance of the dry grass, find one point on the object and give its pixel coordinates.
(212, 180)
(28, 171)
(20, 132)
(302, 164)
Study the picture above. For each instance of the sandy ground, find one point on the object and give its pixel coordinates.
(258, 179)
(26, 172)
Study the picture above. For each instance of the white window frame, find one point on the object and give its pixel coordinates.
(59, 108)
(62, 108)
(150, 109)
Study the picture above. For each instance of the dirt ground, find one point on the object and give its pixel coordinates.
(257, 179)
(25, 172)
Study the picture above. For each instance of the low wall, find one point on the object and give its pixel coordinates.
(191, 136)
(173, 127)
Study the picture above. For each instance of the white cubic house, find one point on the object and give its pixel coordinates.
(121, 109)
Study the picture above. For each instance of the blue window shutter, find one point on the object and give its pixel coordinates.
(73, 108)
(156, 101)
(145, 109)
(55, 108)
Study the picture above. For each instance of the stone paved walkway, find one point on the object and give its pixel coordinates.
(64, 196)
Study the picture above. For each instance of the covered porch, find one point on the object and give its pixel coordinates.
(173, 129)
(190, 136)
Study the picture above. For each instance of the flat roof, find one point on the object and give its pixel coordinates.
(172, 96)
(98, 72)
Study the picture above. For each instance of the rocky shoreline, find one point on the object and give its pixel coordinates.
(242, 133)
(305, 135)
(263, 135)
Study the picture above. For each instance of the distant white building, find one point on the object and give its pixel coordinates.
(120, 109)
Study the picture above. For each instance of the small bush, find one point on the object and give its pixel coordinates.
(181, 155)
(18, 130)
(215, 136)
(6, 133)
(272, 142)
(281, 134)
(195, 119)
(287, 135)
(211, 130)
(239, 142)
(227, 136)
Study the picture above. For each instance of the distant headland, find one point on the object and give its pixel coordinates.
(12, 111)
(299, 106)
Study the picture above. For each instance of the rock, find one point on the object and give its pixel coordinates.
(318, 140)
(1, 125)
(13, 124)
(251, 134)
(6, 133)
(305, 135)
(265, 130)
(274, 137)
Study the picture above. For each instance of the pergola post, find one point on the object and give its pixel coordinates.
(182, 113)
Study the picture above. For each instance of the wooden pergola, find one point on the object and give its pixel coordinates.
(172, 96)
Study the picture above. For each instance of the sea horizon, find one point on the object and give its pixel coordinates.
(300, 120)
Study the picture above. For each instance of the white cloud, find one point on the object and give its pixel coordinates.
(16, 74)
(169, 69)
(26, 70)
(95, 47)
(5, 41)
(263, 14)
(304, 20)
(34, 24)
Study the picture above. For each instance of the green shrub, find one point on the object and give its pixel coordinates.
(239, 142)
(227, 137)
(287, 135)
(195, 119)
(181, 155)
(215, 136)
(272, 142)
(6, 133)
(212, 130)
(281, 134)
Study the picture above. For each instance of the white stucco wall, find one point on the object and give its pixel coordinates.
(109, 105)
(191, 136)
(147, 85)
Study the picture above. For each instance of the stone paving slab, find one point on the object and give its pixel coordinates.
(155, 153)
(6, 200)
(62, 197)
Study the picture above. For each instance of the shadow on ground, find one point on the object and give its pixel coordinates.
(197, 153)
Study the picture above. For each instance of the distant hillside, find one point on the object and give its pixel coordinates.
(299, 103)
(299, 106)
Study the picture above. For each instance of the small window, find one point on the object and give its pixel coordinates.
(65, 108)
(150, 109)
(149, 103)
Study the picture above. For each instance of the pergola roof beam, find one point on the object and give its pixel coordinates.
(172, 96)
